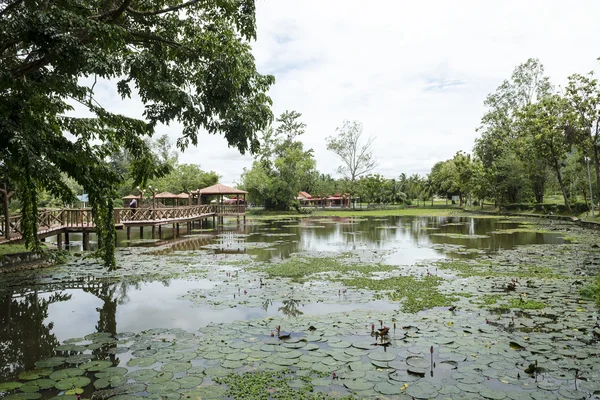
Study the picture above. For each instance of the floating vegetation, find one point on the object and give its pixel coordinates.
(510, 322)
(299, 269)
(460, 236)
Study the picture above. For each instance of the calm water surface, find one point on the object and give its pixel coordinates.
(31, 325)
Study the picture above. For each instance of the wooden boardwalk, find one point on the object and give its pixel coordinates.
(61, 222)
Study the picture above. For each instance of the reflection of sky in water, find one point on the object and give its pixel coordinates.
(405, 240)
(155, 304)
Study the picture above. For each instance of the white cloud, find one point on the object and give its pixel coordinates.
(415, 73)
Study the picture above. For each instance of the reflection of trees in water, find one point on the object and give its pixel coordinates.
(290, 308)
(25, 337)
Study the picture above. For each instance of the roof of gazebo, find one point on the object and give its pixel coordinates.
(166, 195)
(130, 196)
(183, 196)
(219, 189)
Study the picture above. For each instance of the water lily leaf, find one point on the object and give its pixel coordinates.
(50, 362)
(387, 388)
(572, 394)
(142, 375)
(188, 382)
(23, 396)
(176, 367)
(381, 356)
(71, 383)
(422, 390)
(358, 384)
(78, 359)
(205, 392)
(492, 394)
(8, 386)
(96, 365)
(66, 373)
(162, 377)
(101, 383)
(141, 362)
(163, 388)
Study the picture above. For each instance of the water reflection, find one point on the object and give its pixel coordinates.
(25, 334)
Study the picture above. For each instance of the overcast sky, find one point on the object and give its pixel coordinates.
(414, 73)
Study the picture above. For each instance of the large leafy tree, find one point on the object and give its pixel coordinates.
(583, 95)
(188, 61)
(283, 167)
(501, 137)
(356, 155)
(547, 122)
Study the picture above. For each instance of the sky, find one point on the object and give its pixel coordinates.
(414, 73)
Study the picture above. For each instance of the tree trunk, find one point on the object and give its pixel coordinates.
(562, 186)
(597, 165)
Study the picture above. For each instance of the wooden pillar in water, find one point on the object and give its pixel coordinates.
(153, 232)
(177, 229)
(59, 240)
(128, 233)
(66, 237)
(160, 231)
(141, 232)
(86, 241)
(174, 231)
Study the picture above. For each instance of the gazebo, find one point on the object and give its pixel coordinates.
(167, 195)
(127, 199)
(186, 197)
(219, 190)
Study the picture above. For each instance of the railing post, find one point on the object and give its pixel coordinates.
(117, 215)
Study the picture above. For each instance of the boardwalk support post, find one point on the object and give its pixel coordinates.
(153, 232)
(128, 233)
(66, 237)
(86, 241)
(59, 240)
(141, 232)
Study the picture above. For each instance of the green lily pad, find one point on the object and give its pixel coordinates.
(381, 356)
(189, 382)
(205, 392)
(358, 384)
(422, 390)
(162, 377)
(50, 362)
(176, 367)
(66, 373)
(163, 388)
(8, 386)
(74, 382)
(96, 365)
(141, 362)
(101, 383)
(492, 394)
(387, 388)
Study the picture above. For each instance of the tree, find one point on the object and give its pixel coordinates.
(500, 134)
(583, 95)
(188, 61)
(282, 167)
(357, 157)
(185, 178)
(547, 121)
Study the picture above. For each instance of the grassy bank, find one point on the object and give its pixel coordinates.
(358, 212)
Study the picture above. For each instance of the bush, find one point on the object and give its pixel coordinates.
(408, 202)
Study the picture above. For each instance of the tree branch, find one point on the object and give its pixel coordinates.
(10, 7)
(149, 36)
(164, 10)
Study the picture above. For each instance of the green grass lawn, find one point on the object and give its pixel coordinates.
(12, 249)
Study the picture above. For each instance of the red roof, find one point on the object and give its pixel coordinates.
(304, 195)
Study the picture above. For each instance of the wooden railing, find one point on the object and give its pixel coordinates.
(156, 214)
(230, 209)
(49, 220)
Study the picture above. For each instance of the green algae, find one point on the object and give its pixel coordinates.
(416, 294)
(300, 269)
